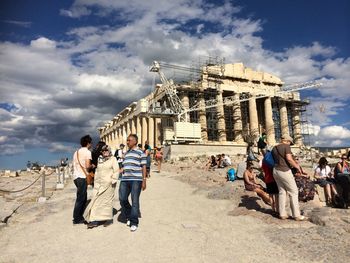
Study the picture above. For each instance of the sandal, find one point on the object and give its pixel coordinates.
(301, 218)
(283, 217)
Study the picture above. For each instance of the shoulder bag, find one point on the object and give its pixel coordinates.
(89, 176)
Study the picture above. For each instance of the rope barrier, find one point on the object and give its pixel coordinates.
(25, 188)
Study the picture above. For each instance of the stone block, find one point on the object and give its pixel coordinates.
(248, 73)
(271, 79)
(14, 174)
(59, 186)
(257, 76)
(238, 70)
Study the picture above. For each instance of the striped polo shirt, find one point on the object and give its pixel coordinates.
(134, 159)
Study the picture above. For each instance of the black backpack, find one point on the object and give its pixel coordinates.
(116, 154)
(261, 143)
(338, 202)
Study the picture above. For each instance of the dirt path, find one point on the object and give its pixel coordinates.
(177, 225)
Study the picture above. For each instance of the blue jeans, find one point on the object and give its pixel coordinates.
(80, 202)
(130, 212)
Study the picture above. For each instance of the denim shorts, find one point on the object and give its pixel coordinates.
(323, 182)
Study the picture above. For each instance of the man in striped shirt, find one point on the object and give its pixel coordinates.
(132, 181)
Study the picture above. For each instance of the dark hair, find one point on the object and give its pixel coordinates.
(99, 147)
(85, 140)
(323, 161)
(134, 136)
(249, 165)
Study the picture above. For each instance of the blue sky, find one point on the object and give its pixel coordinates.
(68, 66)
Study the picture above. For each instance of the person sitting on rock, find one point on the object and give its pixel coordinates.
(226, 161)
(342, 175)
(251, 184)
(324, 178)
(306, 186)
(211, 164)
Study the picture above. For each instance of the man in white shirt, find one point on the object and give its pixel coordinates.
(226, 160)
(81, 163)
(119, 154)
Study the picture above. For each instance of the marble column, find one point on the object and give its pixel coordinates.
(138, 128)
(157, 132)
(284, 118)
(144, 136)
(253, 117)
(119, 136)
(125, 131)
(269, 124)
(186, 103)
(133, 125)
(114, 141)
(151, 132)
(237, 118)
(221, 117)
(298, 138)
(203, 116)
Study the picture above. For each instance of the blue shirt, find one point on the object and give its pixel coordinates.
(134, 159)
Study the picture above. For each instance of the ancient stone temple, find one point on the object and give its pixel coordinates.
(226, 105)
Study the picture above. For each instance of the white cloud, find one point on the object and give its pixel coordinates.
(335, 132)
(25, 24)
(43, 43)
(66, 88)
(61, 148)
(332, 136)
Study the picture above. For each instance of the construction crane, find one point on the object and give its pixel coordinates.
(168, 87)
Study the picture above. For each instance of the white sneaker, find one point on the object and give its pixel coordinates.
(133, 228)
(128, 223)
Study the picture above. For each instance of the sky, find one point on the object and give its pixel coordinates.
(66, 67)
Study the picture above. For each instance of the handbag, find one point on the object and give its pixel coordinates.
(89, 176)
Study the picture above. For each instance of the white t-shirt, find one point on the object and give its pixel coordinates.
(227, 160)
(324, 172)
(121, 154)
(84, 154)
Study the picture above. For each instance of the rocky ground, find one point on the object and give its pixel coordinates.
(17, 202)
(188, 215)
(327, 239)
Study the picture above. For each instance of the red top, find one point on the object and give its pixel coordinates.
(268, 173)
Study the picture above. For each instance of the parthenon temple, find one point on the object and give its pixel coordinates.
(258, 104)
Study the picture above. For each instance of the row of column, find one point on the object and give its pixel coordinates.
(253, 119)
(146, 128)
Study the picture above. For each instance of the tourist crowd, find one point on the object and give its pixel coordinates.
(131, 167)
(285, 180)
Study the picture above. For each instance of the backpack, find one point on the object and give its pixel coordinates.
(261, 143)
(116, 154)
(338, 202)
(231, 175)
(268, 159)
